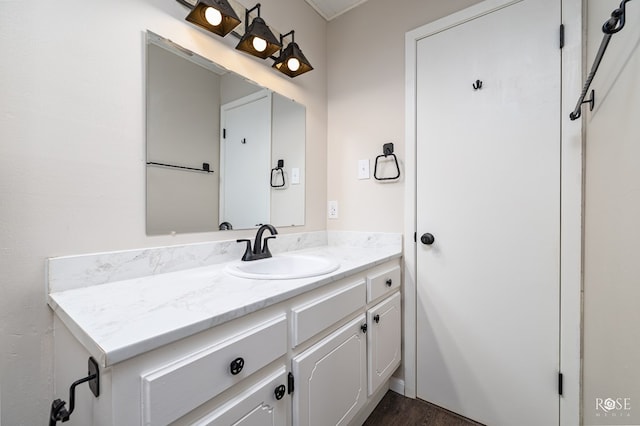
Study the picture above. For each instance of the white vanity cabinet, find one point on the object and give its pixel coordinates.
(336, 376)
(383, 341)
(322, 357)
(331, 378)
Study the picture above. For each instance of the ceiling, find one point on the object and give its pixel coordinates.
(330, 9)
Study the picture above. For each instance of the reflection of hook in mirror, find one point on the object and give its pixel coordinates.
(477, 85)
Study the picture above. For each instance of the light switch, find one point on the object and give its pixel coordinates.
(295, 176)
(363, 169)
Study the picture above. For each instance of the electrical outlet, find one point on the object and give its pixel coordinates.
(333, 209)
(363, 169)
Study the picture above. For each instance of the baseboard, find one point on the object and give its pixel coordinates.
(396, 384)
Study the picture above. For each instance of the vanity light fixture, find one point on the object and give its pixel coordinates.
(291, 61)
(216, 16)
(258, 40)
(220, 17)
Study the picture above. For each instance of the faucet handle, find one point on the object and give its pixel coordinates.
(247, 252)
(265, 247)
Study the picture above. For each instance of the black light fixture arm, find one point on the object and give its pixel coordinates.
(58, 412)
(248, 11)
(282, 37)
(610, 27)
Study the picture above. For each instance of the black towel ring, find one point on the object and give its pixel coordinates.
(279, 170)
(387, 150)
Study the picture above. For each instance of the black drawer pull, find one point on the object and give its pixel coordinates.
(389, 282)
(279, 392)
(236, 366)
(376, 318)
(364, 327)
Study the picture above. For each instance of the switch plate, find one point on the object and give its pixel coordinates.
(363, 169)
(295, 176)
(333, 210)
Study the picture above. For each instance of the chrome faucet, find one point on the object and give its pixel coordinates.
(260, 249)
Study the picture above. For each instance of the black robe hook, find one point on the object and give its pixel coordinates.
(477, 85)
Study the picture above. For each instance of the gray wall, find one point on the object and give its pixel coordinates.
(72, 152)
(183, 129)
(612, 222)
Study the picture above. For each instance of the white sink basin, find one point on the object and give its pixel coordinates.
(283, 267)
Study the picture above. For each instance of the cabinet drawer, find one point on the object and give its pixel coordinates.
(258, 405)
(309, 319)
(175, 389)
(382, 283)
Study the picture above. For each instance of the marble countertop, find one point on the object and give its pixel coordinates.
(122, 319)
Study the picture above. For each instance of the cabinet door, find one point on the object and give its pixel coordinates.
(383, 346)
(330, 378)
(257, 406)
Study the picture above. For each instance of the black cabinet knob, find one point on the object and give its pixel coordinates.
(389, 282)
(376, 318)
(427, 239)
(236, 366)
(364, 327)
(279, 392)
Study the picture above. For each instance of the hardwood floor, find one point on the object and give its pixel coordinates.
(396, 410)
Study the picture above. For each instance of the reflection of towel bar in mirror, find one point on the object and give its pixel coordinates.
(275, 171)
(205, 167)
(387, 151)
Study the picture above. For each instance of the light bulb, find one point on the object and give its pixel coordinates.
(213, 16)
(293, 64)
(259, 44)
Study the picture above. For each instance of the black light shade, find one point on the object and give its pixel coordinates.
(292, 62)
(229, 20)
(258, 30)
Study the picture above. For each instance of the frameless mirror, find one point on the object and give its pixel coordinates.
(222, 152)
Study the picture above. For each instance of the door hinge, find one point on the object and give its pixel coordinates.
(290, 383)
(561, 36)
(224, 133)
(560, 384)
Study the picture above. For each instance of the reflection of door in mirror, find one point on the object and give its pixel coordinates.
(246, 142)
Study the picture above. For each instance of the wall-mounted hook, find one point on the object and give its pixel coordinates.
(477, 85)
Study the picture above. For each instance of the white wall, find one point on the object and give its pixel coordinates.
(612, 221)
(72, 151)
(366, 90)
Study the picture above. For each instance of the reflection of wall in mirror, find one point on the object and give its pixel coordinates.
(287, 143)
(183, 101)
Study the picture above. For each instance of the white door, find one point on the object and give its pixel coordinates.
(245, 161)
(488, 190)
(330, 378)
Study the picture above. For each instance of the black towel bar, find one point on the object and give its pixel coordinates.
(610, 27)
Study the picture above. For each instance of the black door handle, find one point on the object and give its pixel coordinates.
(427, 239)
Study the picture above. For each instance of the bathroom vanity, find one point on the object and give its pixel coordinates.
(200, 346)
